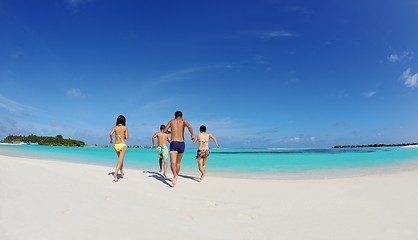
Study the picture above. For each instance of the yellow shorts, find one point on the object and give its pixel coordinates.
(118, 146)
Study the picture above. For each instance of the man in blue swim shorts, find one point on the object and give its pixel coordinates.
(177, 144)
(162, 149)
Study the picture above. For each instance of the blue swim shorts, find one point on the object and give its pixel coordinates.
(177, 147)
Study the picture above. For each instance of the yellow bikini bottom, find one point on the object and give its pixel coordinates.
(118, 146)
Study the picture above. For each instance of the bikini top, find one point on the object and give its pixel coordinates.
(120, 136)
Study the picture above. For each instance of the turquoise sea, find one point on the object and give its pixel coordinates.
(258, 163)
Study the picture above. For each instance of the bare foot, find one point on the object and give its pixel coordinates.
(115, 178)
(201, 177)
(165, 175)
(160, 170)
(175, 180)
(122, 175)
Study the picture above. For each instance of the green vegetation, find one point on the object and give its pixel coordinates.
(58, 140)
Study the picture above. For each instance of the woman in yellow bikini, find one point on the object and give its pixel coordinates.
(121, 134)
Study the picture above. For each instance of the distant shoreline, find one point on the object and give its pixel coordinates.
(405, 145)
(378, 145)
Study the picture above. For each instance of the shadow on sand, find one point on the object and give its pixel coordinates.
(190, 177)
(119, 176)
(159, 177)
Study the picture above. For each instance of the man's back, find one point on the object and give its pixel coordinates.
(177, 129)
(162, 138)
(177, 144)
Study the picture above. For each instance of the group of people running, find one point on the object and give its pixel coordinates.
(172, 133)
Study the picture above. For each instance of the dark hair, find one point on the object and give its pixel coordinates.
(203, 128)
(121, 120)
(162, 127)
(178, 114)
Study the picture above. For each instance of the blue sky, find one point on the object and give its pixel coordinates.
(257, 73)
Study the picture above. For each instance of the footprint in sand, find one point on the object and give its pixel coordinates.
(213, 204)
(245, 216)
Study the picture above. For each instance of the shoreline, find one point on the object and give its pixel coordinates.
(331, 173)
(411, 146)
(46, 199)
(402, 145)
(410, 165)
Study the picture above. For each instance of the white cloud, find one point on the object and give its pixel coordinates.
(179, 75)
(293, 139)
(394, 57)
(230, 131)
(188, 72)
(85, 132)
(74, 92)
(277, 34)
(13, 106)
(299, 139)
(268, 34)
(342, 94)
(410, 80)
(369, 94)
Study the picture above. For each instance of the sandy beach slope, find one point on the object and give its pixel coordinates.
(42, 199)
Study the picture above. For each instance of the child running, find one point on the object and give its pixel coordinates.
(162, 149)
(121, 134)
(203, 149)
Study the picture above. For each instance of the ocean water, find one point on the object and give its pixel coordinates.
(260, 163)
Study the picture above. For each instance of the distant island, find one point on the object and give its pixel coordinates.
(377, 145)
(58, 140)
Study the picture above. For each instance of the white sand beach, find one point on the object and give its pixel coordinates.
(411, 146)
(42, 199)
